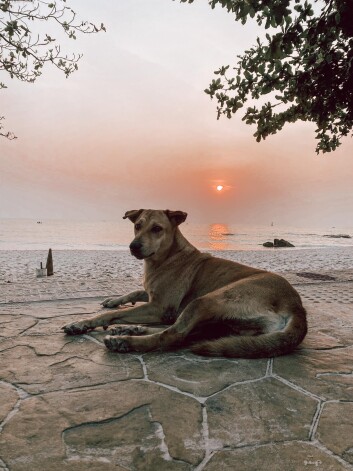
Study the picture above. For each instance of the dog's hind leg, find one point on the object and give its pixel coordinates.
(197, 311)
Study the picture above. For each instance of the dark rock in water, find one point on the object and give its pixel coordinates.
(268, 244)
(278, 243)
(338, 236)
(282, 243)
(316, 276)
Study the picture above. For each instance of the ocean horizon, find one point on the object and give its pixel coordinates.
(31, 234)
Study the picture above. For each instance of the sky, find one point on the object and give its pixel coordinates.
(133, 128)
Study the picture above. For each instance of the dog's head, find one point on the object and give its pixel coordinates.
(154, 231)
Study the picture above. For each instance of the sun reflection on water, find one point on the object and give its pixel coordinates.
(218, 237)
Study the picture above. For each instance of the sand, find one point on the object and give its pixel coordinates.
(95, 274)
(19, 266)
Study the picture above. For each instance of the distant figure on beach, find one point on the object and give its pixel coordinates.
(215, 306)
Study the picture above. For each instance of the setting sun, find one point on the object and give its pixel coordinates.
(219, 188)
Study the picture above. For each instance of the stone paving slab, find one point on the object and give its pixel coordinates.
(68, 403)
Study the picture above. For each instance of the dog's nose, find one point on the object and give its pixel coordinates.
(135, 246)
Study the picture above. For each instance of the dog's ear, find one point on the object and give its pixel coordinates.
(133, 215)
(177, 217)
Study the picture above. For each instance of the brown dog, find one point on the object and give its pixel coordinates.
(219, 307)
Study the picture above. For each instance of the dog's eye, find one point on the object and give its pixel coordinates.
(156, 229)
(137, 227)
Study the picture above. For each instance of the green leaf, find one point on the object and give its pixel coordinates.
(248, 75)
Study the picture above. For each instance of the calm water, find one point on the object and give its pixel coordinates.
(27, 234)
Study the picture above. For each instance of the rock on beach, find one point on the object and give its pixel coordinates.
(278, 243)
(338, 236)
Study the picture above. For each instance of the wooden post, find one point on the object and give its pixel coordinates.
(49, 266)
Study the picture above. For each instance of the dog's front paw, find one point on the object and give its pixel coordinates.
(112, 302)
(117, 344)
(78, 327)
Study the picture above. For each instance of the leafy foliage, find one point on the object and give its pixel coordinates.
(305, 64)
(24, 52)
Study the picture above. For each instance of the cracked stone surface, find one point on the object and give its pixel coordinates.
(189, 375)
(115, 423)
(337, 416)
(262, 411)
(69, 403)
(276, 457)
(9, 399)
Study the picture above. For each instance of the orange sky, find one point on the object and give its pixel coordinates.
(133, 128)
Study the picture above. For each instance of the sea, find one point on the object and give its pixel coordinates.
(29, 234)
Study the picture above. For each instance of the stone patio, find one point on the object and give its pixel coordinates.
(68, 403)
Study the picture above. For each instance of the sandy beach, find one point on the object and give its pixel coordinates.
(99, 273)
(19, 265)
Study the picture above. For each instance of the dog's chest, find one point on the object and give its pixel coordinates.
(169, 283)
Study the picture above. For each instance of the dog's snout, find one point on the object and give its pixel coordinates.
(135, 246)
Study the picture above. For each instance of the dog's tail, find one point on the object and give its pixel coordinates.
(260, 346)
